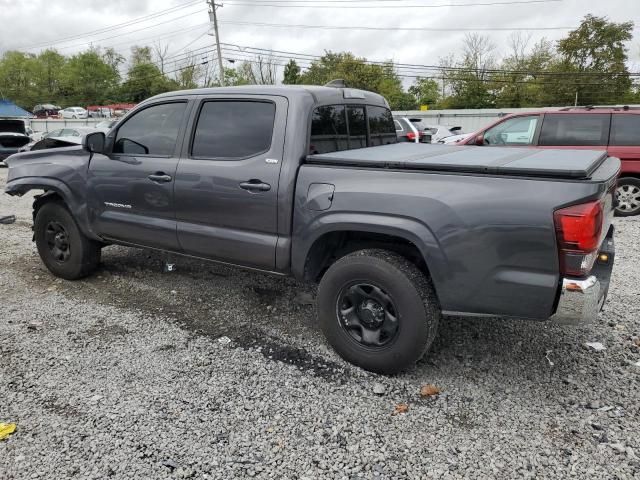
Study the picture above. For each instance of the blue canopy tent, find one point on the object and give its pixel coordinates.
(10, 109)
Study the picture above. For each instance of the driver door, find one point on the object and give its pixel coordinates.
(131, 186)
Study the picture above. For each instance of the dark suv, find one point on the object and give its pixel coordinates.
(613, 129)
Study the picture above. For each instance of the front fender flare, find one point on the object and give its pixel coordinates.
(77, 207)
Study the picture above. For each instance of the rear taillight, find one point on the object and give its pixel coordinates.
(411, 135)
(578, 232)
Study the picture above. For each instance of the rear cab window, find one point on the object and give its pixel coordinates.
(345, 127)
(564, 129)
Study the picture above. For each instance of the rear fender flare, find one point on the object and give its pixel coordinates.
(408, 229)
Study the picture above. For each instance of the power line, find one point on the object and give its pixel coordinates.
(282, 4)
(407, 29)
(438, 68)
(111, 27)
(129, 33)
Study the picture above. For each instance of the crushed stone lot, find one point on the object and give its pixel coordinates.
(215, 372)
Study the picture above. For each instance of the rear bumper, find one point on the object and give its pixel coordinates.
(581, 299)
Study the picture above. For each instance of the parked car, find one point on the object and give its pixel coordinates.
(73, 112)
(46, 110)
(106, 125)
(70, 135)
(454, 138)
(14, 134)
(99, 112)
(615, 130)
(440, 132)
(395, 234)
(411, 130)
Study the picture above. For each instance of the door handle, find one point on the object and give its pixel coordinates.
(160, 177)
(255, 186)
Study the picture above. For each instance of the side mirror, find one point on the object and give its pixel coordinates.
(479, 140)
(94, 142)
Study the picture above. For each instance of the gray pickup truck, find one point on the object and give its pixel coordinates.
(310, 182)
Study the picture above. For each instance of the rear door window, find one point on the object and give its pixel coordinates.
(577, 130)
(381, 126)
(398, 125)
(329, 130)
(625, 130)
(234, 129)
(357, 127)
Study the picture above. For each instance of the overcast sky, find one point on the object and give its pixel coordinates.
(39, 24)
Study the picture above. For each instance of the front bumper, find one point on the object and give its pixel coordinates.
(581, 299)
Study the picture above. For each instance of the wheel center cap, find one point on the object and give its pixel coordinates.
(371, 312)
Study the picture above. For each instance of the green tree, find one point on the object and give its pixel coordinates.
(17, 73)
(426, 91)
(140, 55)
(87, 79)
(597, 53)
(522, 82)
(358, 73)
(145, 80)
(291, 73)
(469, 79)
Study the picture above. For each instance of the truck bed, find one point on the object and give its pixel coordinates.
(529, 162)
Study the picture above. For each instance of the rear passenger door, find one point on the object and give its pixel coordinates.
(226, 188)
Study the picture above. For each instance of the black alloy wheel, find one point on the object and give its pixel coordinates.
(368, 314)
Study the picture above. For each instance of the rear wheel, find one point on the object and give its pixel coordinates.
(63, 248)
(378, 310)
(628, 196)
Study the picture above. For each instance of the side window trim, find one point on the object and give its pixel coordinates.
(179, 138)
(193, 125)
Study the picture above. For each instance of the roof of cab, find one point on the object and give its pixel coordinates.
(321, 95)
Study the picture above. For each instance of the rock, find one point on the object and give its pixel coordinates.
(597, 346)
(304, 298)
(594, 405)
(379, 389)
(34, 326)
(618, 447)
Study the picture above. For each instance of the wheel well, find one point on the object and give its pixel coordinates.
(630, 175)
(334, 245)
(48, 196)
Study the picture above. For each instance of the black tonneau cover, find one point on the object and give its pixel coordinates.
(571, 164)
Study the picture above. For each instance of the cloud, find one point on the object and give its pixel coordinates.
(40, 21)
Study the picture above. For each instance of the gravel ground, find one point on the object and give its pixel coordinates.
(127, 374)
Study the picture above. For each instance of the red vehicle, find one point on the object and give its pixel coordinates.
(614, 129)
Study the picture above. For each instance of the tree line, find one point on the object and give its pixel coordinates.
(588, 67)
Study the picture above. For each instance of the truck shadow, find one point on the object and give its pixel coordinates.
(276, 316)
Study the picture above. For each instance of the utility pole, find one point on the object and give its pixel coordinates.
(214, 19)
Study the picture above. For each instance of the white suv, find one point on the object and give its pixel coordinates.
(74, 112)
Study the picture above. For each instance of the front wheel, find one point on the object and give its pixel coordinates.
(378, 310)
(63, 248)
(628, 197)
